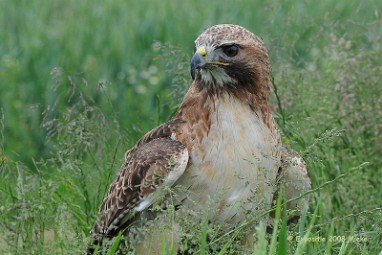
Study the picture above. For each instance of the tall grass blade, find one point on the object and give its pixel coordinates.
(261, 244)
(113, 249)
(203, 244)
(273, 245)
(283, 243)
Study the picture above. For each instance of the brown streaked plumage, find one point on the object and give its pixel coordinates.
(222, 145)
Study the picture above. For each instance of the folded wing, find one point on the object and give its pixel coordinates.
(155, 162)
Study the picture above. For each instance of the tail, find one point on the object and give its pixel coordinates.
(94, 247)
(97, 237)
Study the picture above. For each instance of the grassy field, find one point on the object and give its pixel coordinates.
(82, 81)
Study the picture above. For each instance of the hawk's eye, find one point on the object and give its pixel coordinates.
(231, 50)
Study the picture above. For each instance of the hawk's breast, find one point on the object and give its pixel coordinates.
(234, 166)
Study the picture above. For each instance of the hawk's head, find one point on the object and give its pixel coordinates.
(230, 57)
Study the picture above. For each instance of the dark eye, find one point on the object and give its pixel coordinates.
(231, 50)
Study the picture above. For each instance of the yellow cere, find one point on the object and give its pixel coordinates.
(202, 51)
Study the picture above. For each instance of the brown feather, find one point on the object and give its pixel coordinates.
(146, 165)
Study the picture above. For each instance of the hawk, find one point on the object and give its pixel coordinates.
(222, 145)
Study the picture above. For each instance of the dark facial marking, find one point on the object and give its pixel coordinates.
(243, 74)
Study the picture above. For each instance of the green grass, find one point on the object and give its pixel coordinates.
(81, 81)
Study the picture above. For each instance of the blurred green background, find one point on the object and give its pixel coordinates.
(113, 43)
(81, 81)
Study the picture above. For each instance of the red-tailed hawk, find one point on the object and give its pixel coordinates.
(222, 145)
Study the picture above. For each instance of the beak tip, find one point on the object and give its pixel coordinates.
(197, 61)
(193, 74)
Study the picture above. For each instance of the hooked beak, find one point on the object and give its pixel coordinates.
(197, 62)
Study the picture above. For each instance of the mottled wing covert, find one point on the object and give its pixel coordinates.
(155, 162)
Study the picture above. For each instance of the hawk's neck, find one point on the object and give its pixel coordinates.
(200, 108)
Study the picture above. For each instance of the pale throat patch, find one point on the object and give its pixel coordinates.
(216, 77)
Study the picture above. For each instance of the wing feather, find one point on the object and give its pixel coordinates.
(295, 180)
(155, 162)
